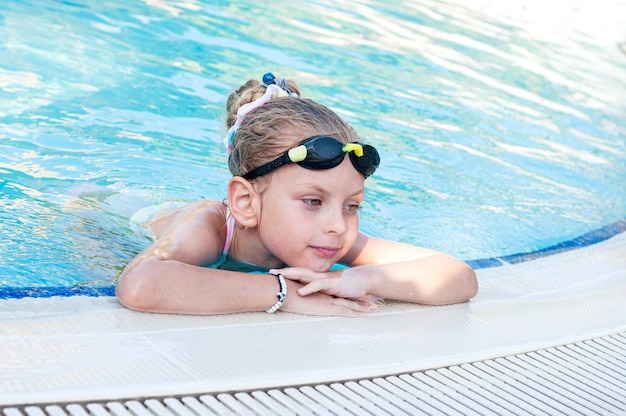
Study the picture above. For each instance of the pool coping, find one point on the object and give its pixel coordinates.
(82, 348)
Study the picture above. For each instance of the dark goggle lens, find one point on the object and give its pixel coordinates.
(367, 163)
(322, 153)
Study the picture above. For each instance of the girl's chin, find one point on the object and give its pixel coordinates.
(322, 268)
(316, 266)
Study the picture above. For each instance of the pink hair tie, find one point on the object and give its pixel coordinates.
(273, 91)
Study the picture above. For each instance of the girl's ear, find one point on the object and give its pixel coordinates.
(243, 202)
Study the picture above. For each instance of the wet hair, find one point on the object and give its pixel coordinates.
(266, 132)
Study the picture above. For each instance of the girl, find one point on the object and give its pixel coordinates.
(291, 214)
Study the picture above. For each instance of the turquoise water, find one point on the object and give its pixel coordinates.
(501, 130)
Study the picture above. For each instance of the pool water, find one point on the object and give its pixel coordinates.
(502, 130)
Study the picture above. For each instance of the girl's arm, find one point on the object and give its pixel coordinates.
(168, 277)
(394, 271)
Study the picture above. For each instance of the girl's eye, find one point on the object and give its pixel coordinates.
(353, 207)
(312, 202)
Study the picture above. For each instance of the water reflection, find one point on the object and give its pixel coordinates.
(501, 127)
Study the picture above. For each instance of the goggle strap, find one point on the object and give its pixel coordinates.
(262, 170)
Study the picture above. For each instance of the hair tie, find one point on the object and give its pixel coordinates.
(270, 79)
(272, 92)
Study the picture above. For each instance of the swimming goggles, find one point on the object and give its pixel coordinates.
(323, 152)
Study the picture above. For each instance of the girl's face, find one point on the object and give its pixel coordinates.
(309, 218)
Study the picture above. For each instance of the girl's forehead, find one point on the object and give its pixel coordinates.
(342, 179)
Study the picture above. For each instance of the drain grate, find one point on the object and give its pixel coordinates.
(587, 378)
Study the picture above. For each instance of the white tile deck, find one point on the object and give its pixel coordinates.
(91, 349)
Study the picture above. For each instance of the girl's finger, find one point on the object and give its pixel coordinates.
(318, 285)
(358, 307)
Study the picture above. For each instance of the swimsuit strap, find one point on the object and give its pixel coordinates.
(230, 228)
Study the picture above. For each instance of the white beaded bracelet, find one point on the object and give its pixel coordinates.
(282, 294)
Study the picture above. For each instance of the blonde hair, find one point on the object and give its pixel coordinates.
(266, 132)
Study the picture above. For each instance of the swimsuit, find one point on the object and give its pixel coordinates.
(228, 263)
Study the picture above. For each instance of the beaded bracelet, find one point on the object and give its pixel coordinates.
(281, 295)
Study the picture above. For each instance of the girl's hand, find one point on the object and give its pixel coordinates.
(335, 283)
(321, 303)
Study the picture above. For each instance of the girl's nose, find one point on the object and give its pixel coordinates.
(335, 222)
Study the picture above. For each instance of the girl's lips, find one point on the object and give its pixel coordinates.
(325, 251)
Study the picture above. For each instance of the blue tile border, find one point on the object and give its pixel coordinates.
(592, 237)
(50, 291)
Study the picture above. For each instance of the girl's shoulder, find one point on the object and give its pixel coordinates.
(205, 214)
(212, 209)
(194, 233)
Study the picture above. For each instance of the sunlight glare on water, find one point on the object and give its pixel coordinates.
(501, 126)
